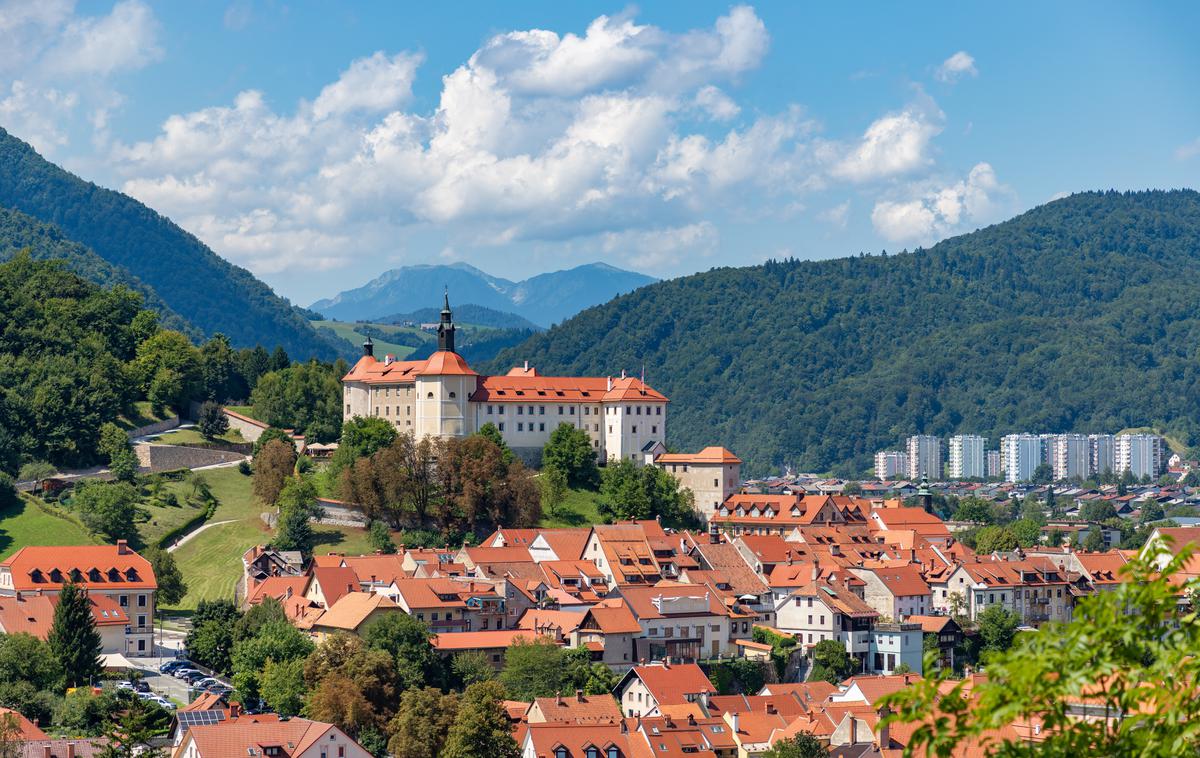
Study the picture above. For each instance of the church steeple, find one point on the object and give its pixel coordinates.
(446, 327)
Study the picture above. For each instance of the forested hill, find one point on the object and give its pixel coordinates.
(1080, 315)
(19, 232)
(206, 290)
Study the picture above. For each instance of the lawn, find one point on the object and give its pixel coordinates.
(192, 436)
(346, 331)
(581, 508)
(26, 524)
(142, 415)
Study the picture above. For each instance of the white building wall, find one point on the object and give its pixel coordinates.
(967, 457)
(924, 456)
(890, 464)
(1021, 455)
(1072, 457)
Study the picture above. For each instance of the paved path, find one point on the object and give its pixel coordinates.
(194, 532)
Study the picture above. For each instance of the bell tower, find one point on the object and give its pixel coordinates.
(446, 326)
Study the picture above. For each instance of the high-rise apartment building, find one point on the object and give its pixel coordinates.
(993, 464)
(1070, 456)
(1102, 449)
(1139, 454)
(967, 459)
(924, 456)
(1020, 455)
(890, 464)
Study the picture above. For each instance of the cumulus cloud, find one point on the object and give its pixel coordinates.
(957, 66)
(373, 84)
(938, 211)
(897, 143)
(661, 249)
(716, 103)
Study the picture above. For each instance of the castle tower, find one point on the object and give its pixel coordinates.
(446, 327)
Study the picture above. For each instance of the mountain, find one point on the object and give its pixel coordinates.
(203, 288)
(44, 242)
(1079, 315)
(465, 314)
(544, 299)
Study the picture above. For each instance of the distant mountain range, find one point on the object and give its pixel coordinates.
(465, 314)
(544, 299)
(186, 277)
(1082, 315)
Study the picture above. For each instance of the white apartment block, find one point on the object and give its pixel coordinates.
(890, 464)
(443, 397)
(993, 464)
(967, 457)
(924, 456)
(1071, 457)
(1139, 454)
(1102, 449)
(1020, 455)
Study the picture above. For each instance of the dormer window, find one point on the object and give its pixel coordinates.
(131, 574)
(56, 576)
(560, 752)
(591, 752)
(114, 575)
(37, 576)
(93, 575)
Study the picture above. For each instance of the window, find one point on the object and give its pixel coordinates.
(571, 410)
(453, 395)
(542, 427)
(520, 410)
(639, 410)
(716, 482)
(587, 411)
(123, 600)
(531, 410)
(501, 425)
(347, 409)
(141, 620)
(658, 411)
(560, 410)
(489, 411)
(634, 429)
(520, 426)
(560, 752)
(541, 410)
(654, 430)
(429, 396)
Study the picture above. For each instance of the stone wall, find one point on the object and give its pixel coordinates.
(170, 457)
(155, 428)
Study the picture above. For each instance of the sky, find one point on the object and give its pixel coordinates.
(320, 144)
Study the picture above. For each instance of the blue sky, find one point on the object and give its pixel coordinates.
(320, 144)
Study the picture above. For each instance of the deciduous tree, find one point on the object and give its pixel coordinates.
(171, 586)
(273, 465)
(481, 728)
(211, 420)
(420, 726)
(570, 450)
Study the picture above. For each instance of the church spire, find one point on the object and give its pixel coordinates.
(446, 327)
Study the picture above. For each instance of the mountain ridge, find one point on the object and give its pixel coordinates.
(190, 278)
(542, 299)
(1034, 324)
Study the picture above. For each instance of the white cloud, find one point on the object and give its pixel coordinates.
(99, 46)
(837, 216)
(935, 212)
(373, 84)
(957, 66)
(897, 143)
(1188, 151)
(661, 249)
(716, 103)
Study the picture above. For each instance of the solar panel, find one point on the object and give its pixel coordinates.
(200, 718)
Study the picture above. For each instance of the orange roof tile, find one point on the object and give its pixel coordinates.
(485, 640)
(672, 684)
(352, 609)
(579, 709)
(116, 567)
(711, 454)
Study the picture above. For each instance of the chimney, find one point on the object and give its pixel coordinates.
(18, 596)
(853, 730)
(788, 556)
(526, 366)
(579, 696)
(885, 734)
(816, 571)
(691, 719)
(610, 384)
(122, 547)
(770, 707)
(558, 698)
(235, 710)
(667, 722)
(70, 750)
(734, 722)
(667, 662)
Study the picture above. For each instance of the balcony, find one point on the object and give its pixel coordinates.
(139, 630)
(449, 625)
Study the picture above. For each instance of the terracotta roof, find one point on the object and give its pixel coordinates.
(382, 568)
(352, 609)
(611, 617)
(34, 614)
(660, 601)
(510, 554)
(371, 370)
(808, 692)
(902, 581)
(335, 582)
(118, 567)
(562, 389)
(1103, 568)
(672, 684)
(206, 701)
(874, 688)
(445, 363)
(567, 544)
(278, 587)
(929, 624)
(712, 454)
(485, 640)
(579, 709)
(416, 594)
(576, 738)
(537, 618)
(80, 748)
(236, 736)
(26, 728)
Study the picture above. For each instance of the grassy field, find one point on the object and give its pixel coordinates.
(194, 437)
(142, 415)
(245, 410)
(581, 508)
(1174, 444)
(345, 330)
(26, 524)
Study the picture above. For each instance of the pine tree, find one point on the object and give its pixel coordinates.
(73, 636)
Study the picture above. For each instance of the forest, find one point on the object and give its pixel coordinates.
(1079, 315)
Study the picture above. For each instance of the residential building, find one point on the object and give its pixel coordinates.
(994, 470)
(890, 464)
(268, 735)
(443, 396)
(1102, 448)
(1071, 457)
(896, 591)
(646, 688)
(967, 457)
(610, 631)
(713, 474)
(1140, 454)
(114, 572)
(576, 740)
(350, 613)
(1020, 455)
(924, 456)
(685, 622)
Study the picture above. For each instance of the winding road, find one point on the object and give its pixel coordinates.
(194, 532)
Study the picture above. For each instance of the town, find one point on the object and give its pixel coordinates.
(727, 617)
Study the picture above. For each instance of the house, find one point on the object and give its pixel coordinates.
(946, 633)
(575, 709)
(685, 622)
(114, 572)
(609, 630)
(688, 735)
(268, 736)
(25, 730)
(645, 689)
(623, 553)
(895, 590)
(491, 643)
(726, 568)
(712, 475)
(33, 613)
(558, 740)
(350, 613)
(434, 601)
(92, 747)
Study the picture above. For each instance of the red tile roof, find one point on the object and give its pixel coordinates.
(485, 640)
(579, 709)
(34, 614)
(562, 389)
(27, 730)
(446, 363)
(118, 567)
(672, 684)
(236, 737)
(713, 454)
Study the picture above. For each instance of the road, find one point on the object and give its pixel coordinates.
(183, 540)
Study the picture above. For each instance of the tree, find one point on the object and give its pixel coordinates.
(974, 509)
(570, 450)
(1035, 511)
(73, 638)
(171, 586)
(268, 434)
(1097, 511)
(275, 640)
(470, 666)
(831, 662)
(167, 368)
(12, 743)
(1043, 474)
(481, 728)
(8, 492)
(211, 420)
(532, 668)
(995, 539)
(273, 465)
(372, 671)
(1152, 511)
(129, 734)
(420, 726)
(113, 440)
(1027, 531)
(123, 466)
(491, 432)
(554, 488)
(632, 492)
(36, 471)
(248, 624)
(339, 701)
(997, 627)
(210, 640)
(107, 508)
(803, 745)
(406, 639)
(221, 379)
(1128, 651)
(1094, 542)
(297, 506)
(282, 686)
(306, 397)
(361, 437)
(380, 538)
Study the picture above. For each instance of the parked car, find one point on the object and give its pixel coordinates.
(206, 682)
(183, 672)
(174, 665)
(194, 677)
(141, 685)
(219, 689)
(164, 703)
(124, 685)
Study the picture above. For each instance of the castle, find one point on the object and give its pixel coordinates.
(443, 397)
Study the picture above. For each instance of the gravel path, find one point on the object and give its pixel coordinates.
(193, 533)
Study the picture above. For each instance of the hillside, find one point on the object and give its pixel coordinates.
(47, 242)
(475, 343)
(464, 314)
(206, 290)
(1079, 315)
(544, 299)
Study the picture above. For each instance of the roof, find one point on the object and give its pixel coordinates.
(874, 687)
(278, 587)
(378, 568)
(930, 624)
(667, 601)
(537, 618)
(335, 582)
(576, 738)
(352, 609)
(34, 613)
(671, 684)
(712, 454)
(81, 748)
(26, 728)
(562, 389)
(237, 736)
(902, 581)
(438, 592)
(611, 617)
(445, 363)
(485, 640)
(579, 708)
(116, 567)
